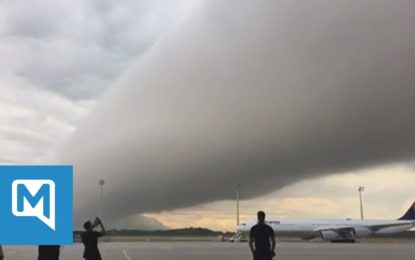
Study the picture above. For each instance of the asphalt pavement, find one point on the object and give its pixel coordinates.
(226, 251)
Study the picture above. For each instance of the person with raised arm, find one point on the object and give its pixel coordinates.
(90, 239)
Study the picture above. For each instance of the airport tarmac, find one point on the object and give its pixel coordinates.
(226, 251)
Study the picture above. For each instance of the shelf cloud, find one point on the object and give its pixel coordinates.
(256, 93)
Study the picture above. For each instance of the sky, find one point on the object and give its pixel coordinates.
(298, 102)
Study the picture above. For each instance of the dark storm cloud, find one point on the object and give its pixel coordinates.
(138, 222)
(261, 93)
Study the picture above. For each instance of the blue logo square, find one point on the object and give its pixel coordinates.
(36, 205)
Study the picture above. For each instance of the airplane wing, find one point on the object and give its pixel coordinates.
(347, 228)
(378, 227)
(339, 229)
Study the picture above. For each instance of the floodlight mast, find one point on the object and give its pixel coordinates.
(360, 190)
(237, 204)
(101, 197)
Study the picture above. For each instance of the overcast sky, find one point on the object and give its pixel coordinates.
(176, 102)
(58, 57)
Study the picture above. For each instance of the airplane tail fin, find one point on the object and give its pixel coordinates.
(410, 213)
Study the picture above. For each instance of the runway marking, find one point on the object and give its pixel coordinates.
(126, 255)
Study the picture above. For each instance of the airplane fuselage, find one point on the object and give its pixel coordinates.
(325, 228)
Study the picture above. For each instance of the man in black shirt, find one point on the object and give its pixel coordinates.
(48, 252)
(262, 236)
(90, 239)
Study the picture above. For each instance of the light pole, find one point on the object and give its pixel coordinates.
(361, 189)
(101, 198)
(237, 204)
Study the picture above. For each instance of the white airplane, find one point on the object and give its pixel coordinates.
(335, 230)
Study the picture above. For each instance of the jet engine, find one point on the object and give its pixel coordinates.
(362, 232)
(329, 235)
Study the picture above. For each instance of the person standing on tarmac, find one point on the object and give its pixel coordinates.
(262, 239)
(48, 252)
(1, 254)
(90, 239)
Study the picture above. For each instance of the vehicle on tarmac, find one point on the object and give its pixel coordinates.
(238, 237)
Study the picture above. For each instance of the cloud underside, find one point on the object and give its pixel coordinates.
(265, 96)
(77, 48)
